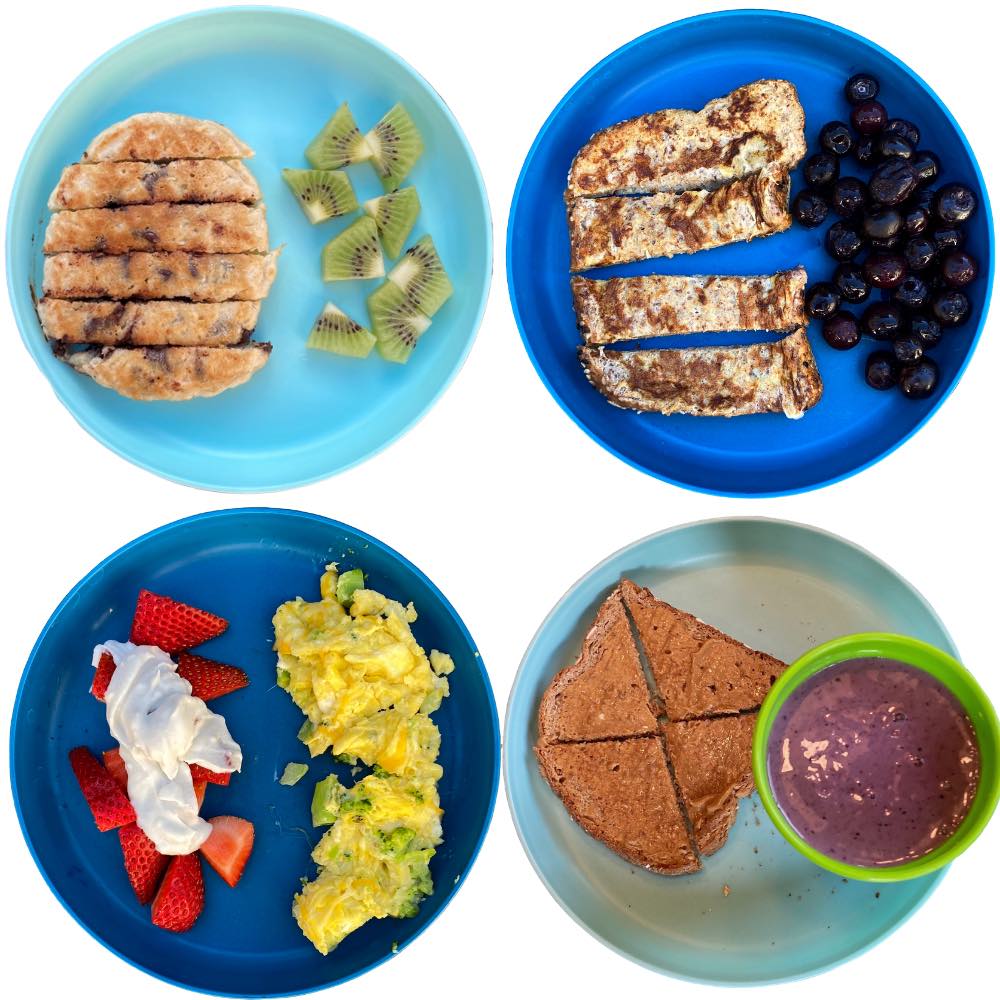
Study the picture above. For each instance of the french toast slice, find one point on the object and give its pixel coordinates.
(661, 305)
(618, 230)
(709, 381)
(679, 150)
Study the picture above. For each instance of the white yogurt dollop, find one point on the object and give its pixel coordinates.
(161, 729)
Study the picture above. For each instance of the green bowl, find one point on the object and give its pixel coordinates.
(953, 676)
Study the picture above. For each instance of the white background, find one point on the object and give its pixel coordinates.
(509, 528)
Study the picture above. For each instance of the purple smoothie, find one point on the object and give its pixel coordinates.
(873, 762)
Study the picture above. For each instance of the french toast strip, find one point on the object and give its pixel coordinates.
(165, 275)
(194, 228)
(104, 185)
(148, 324)
(617, 230)
(160, 136)
(709, 381)
(678, 150)
(666, 305)
(173, 374)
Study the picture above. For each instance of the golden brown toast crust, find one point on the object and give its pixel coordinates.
(679, 150)
(668, 305)
(709, 381)
(603, 694)
(621, 793)
(617, 230)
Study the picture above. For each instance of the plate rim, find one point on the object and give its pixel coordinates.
(326, 522)
(603, 64)
(23, 317)
(933, 880)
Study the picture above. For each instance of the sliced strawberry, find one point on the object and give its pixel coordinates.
(144, 864)
(199, 792)
(181, 898)
(164, 622)
(115, 766)
(102, 676)
(209, 679)
(199, 773)
(228, 846)
(108, 803)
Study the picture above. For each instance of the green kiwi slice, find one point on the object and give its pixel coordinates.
(422, 277)
(339, 143)
(336, 332)
(322, 194)
(394, 214)
(396, 323)
(395, 146)
(354, 253)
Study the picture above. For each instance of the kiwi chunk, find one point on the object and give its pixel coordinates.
(339, 143)
(336, 332)
(395, 146)
(422, 277)
(396, 322)
(354, 253)
(322, 194)
(394, 214)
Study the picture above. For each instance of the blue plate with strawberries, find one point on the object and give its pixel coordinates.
(239, 564)
(685, 65)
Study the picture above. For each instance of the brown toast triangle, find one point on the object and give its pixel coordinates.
(711, 762)
(698, 670)
(603, 695)
(621, 793)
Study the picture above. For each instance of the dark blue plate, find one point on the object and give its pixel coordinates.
(240, 564)
(684, 65)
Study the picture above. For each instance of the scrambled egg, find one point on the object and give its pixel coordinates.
(367, 690)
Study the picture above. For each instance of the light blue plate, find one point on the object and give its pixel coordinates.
(778, 586)
(240, 564)
(274, 76)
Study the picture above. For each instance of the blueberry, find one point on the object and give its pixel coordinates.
(822, 300)
(950, 308)
(954, 203)
(848, 197)
(927, 329)
(864, 151)
(919, 380)
(885, 270)
(883, 320)
(948, 238)
(908, 348)
(888, 145)
(882, 224)
(869, 117)
(916, 219)
(905, 130)
(836, 138)
(861, 87)
(881, 370)
(850, 282)
(821, 170)
(843, 242)
(892, 182)
(911, 293)
(841, 331)
(959, 268)
(927, 166)
(810, 208)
